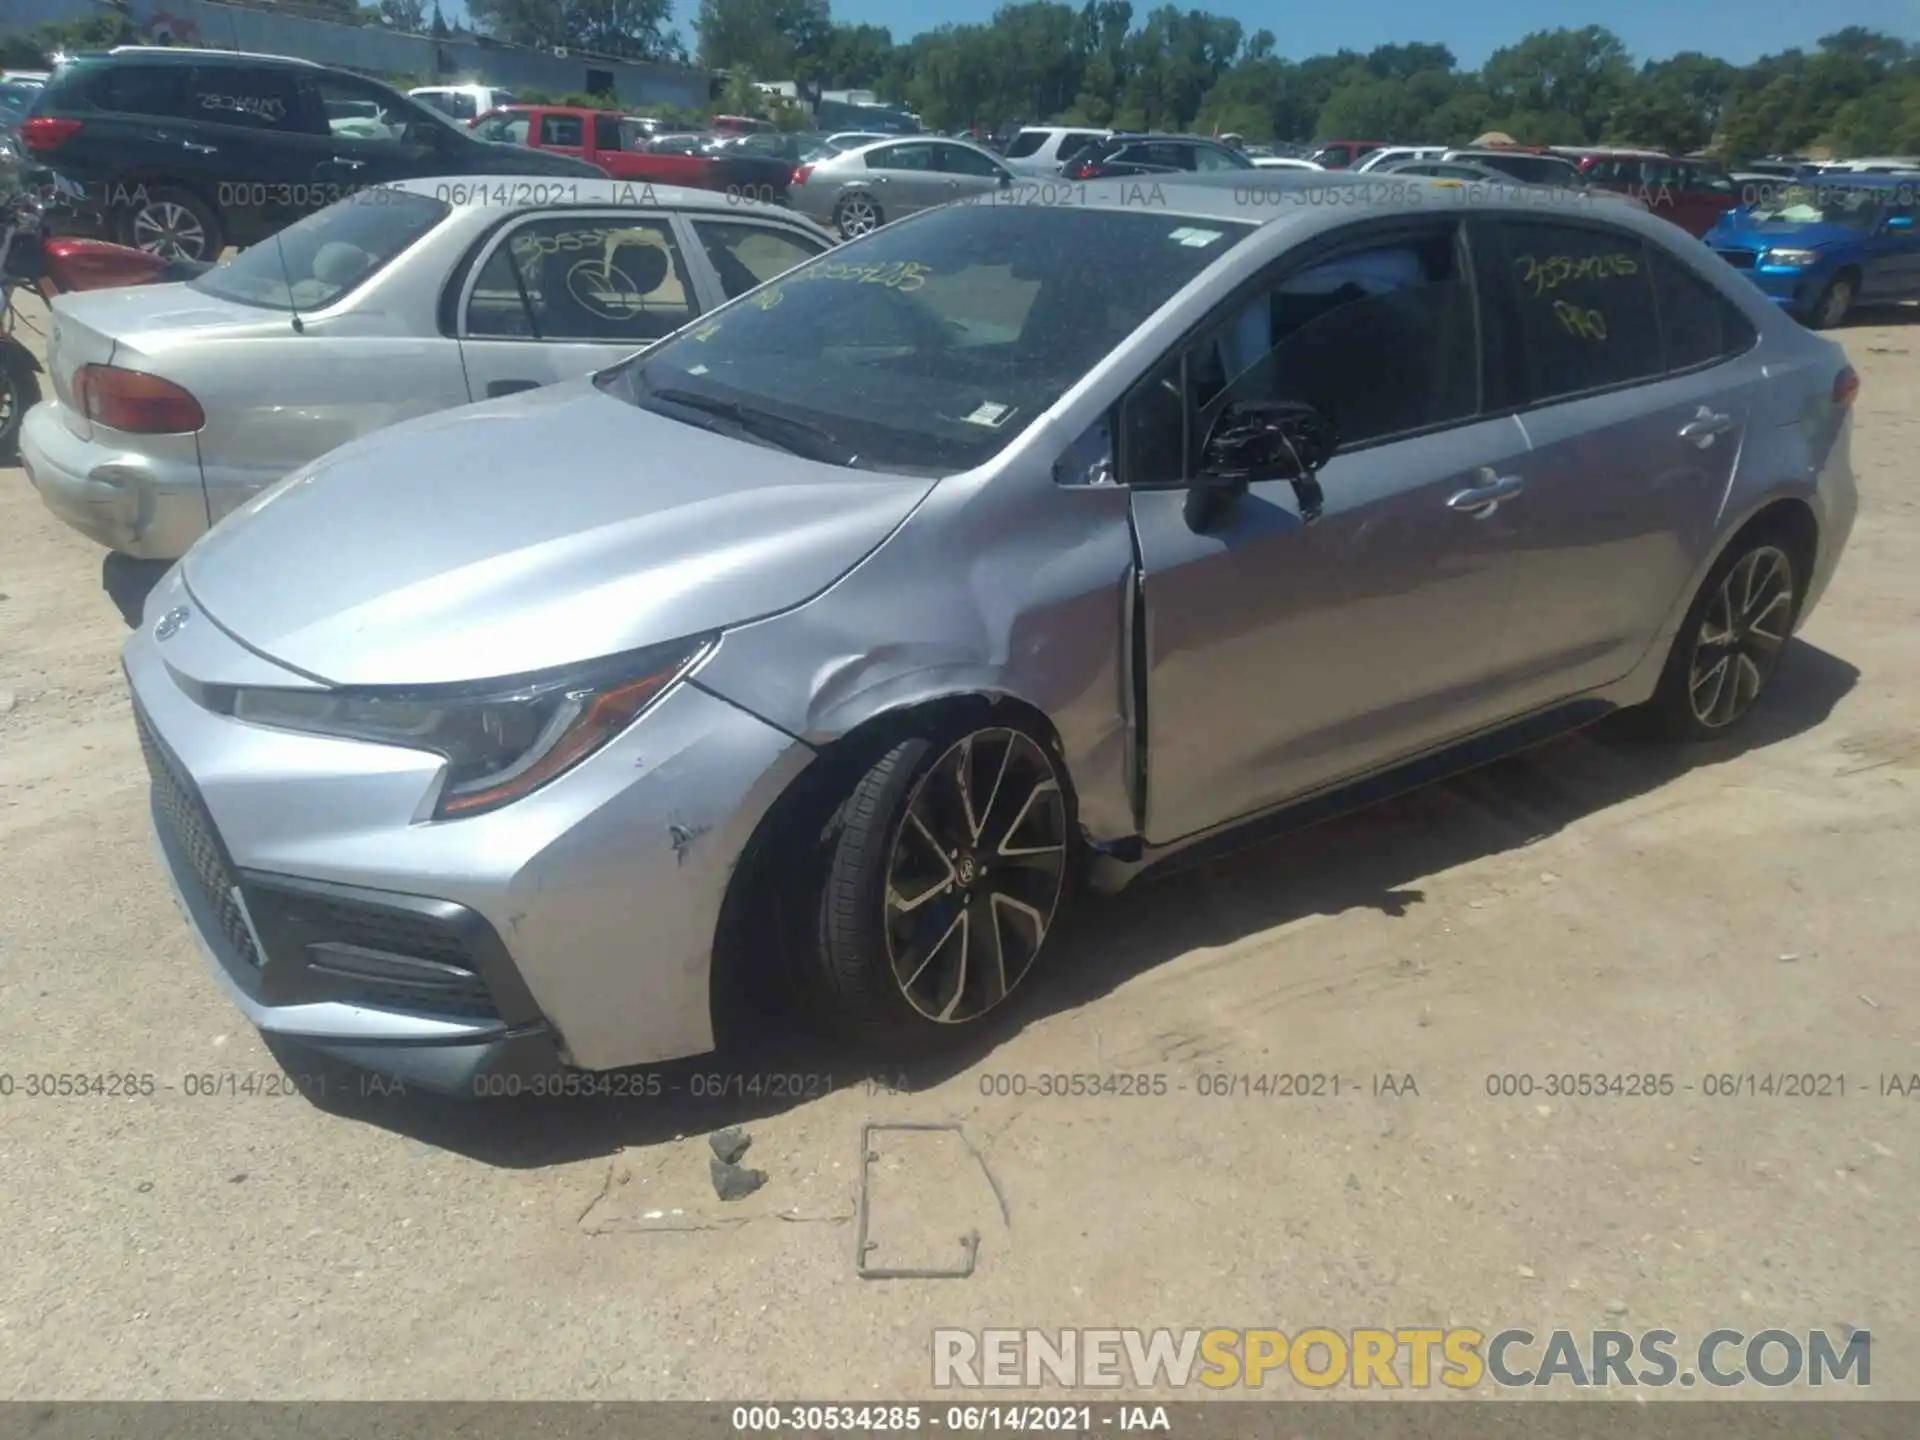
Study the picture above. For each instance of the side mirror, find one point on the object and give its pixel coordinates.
(1255, 440)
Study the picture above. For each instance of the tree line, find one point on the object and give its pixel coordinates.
(1857, 91)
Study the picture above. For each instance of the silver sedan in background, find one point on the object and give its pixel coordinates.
(173, 404)
(861, 189)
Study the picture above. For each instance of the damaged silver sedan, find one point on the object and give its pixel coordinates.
(850, 623)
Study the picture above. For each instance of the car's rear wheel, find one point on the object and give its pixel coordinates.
(856, 215)
(1834, 303)
(1731, 641)
(944, 870)
(176, 225)
(19, 393)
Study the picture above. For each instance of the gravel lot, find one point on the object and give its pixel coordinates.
(1590, 906)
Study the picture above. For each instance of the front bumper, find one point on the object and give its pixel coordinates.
(147, 504)
(576, 926)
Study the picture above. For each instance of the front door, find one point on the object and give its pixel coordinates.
(903, 178)
(562, 294)
(1282, 655)
(375, 137)
(1890, 258)
(1632, 390)
(970, 175)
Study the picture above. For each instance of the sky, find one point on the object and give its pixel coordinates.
(1736, 30)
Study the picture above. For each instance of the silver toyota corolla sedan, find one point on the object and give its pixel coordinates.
(861, 189)
(173, 404)
(848, 624)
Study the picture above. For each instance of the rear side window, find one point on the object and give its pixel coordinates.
(1585, 307)
(1027, 142)
(746, 256)
(131, 90)
(563, 130)
(581, 277)
(318, 260)
(1701, 325)
(255, 99)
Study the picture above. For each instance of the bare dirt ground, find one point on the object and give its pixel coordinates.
(1750, 908)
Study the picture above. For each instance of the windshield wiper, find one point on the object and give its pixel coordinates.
(775, 430)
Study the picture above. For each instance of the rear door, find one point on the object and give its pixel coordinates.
(557, 295)
(1890, 256)
(1630, 375)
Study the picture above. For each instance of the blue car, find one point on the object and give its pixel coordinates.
(1819, 247)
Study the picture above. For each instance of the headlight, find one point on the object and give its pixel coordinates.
(1801, 258)
(502, 739)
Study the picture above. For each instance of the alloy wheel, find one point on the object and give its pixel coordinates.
(1835, 303)
(1741, 635)
(978, 864)
(169, 230)
(858, 216)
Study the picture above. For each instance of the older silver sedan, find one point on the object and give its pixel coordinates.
(862, 189)
(173, 404)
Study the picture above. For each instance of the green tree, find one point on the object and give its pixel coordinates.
(1676, 104)
(1580, 75)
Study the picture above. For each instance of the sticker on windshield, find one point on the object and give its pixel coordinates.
(990, 415)
(1187, 235)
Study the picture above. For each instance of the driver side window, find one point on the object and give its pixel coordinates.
(1379, 338)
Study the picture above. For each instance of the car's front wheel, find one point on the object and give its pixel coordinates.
(1834, 303)
(943, 872)
(1731, 641)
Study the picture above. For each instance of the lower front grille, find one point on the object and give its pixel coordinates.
(180, 811)
(1739, 259)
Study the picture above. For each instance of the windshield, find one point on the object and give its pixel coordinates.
(318, 260)
(927, 346)
(16, 98)
(1858, 208)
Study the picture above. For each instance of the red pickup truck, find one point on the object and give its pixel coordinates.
(617, 145)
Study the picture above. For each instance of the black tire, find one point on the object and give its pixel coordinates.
(19, 393)
(1835, 303)
(857, 214)
(1734, 630)
(912, 947)
(174, 223)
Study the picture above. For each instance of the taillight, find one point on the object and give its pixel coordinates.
(1081, 170)
(43, 133)
(800, 174)
(1846, 385)
(135, 402)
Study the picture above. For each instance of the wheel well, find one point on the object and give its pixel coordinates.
(1848, 272)
(753, 937)
(1792, 522)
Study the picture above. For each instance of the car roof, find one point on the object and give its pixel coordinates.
(174, 55)
(511, 193)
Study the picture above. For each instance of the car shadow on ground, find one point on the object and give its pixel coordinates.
(127, 582)
(1371, 859)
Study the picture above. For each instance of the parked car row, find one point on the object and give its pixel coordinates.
(828, 635)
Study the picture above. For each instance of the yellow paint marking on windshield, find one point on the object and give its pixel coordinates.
(707, 331)
(905, 276)
(767, 299)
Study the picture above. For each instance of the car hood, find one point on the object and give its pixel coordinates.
(1740, 229)
(538, 530)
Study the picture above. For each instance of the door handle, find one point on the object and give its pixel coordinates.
(497, 388)
(199, 149)
(1704, 426)
(1482, 499)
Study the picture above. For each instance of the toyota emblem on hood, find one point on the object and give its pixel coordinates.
(169, 624)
